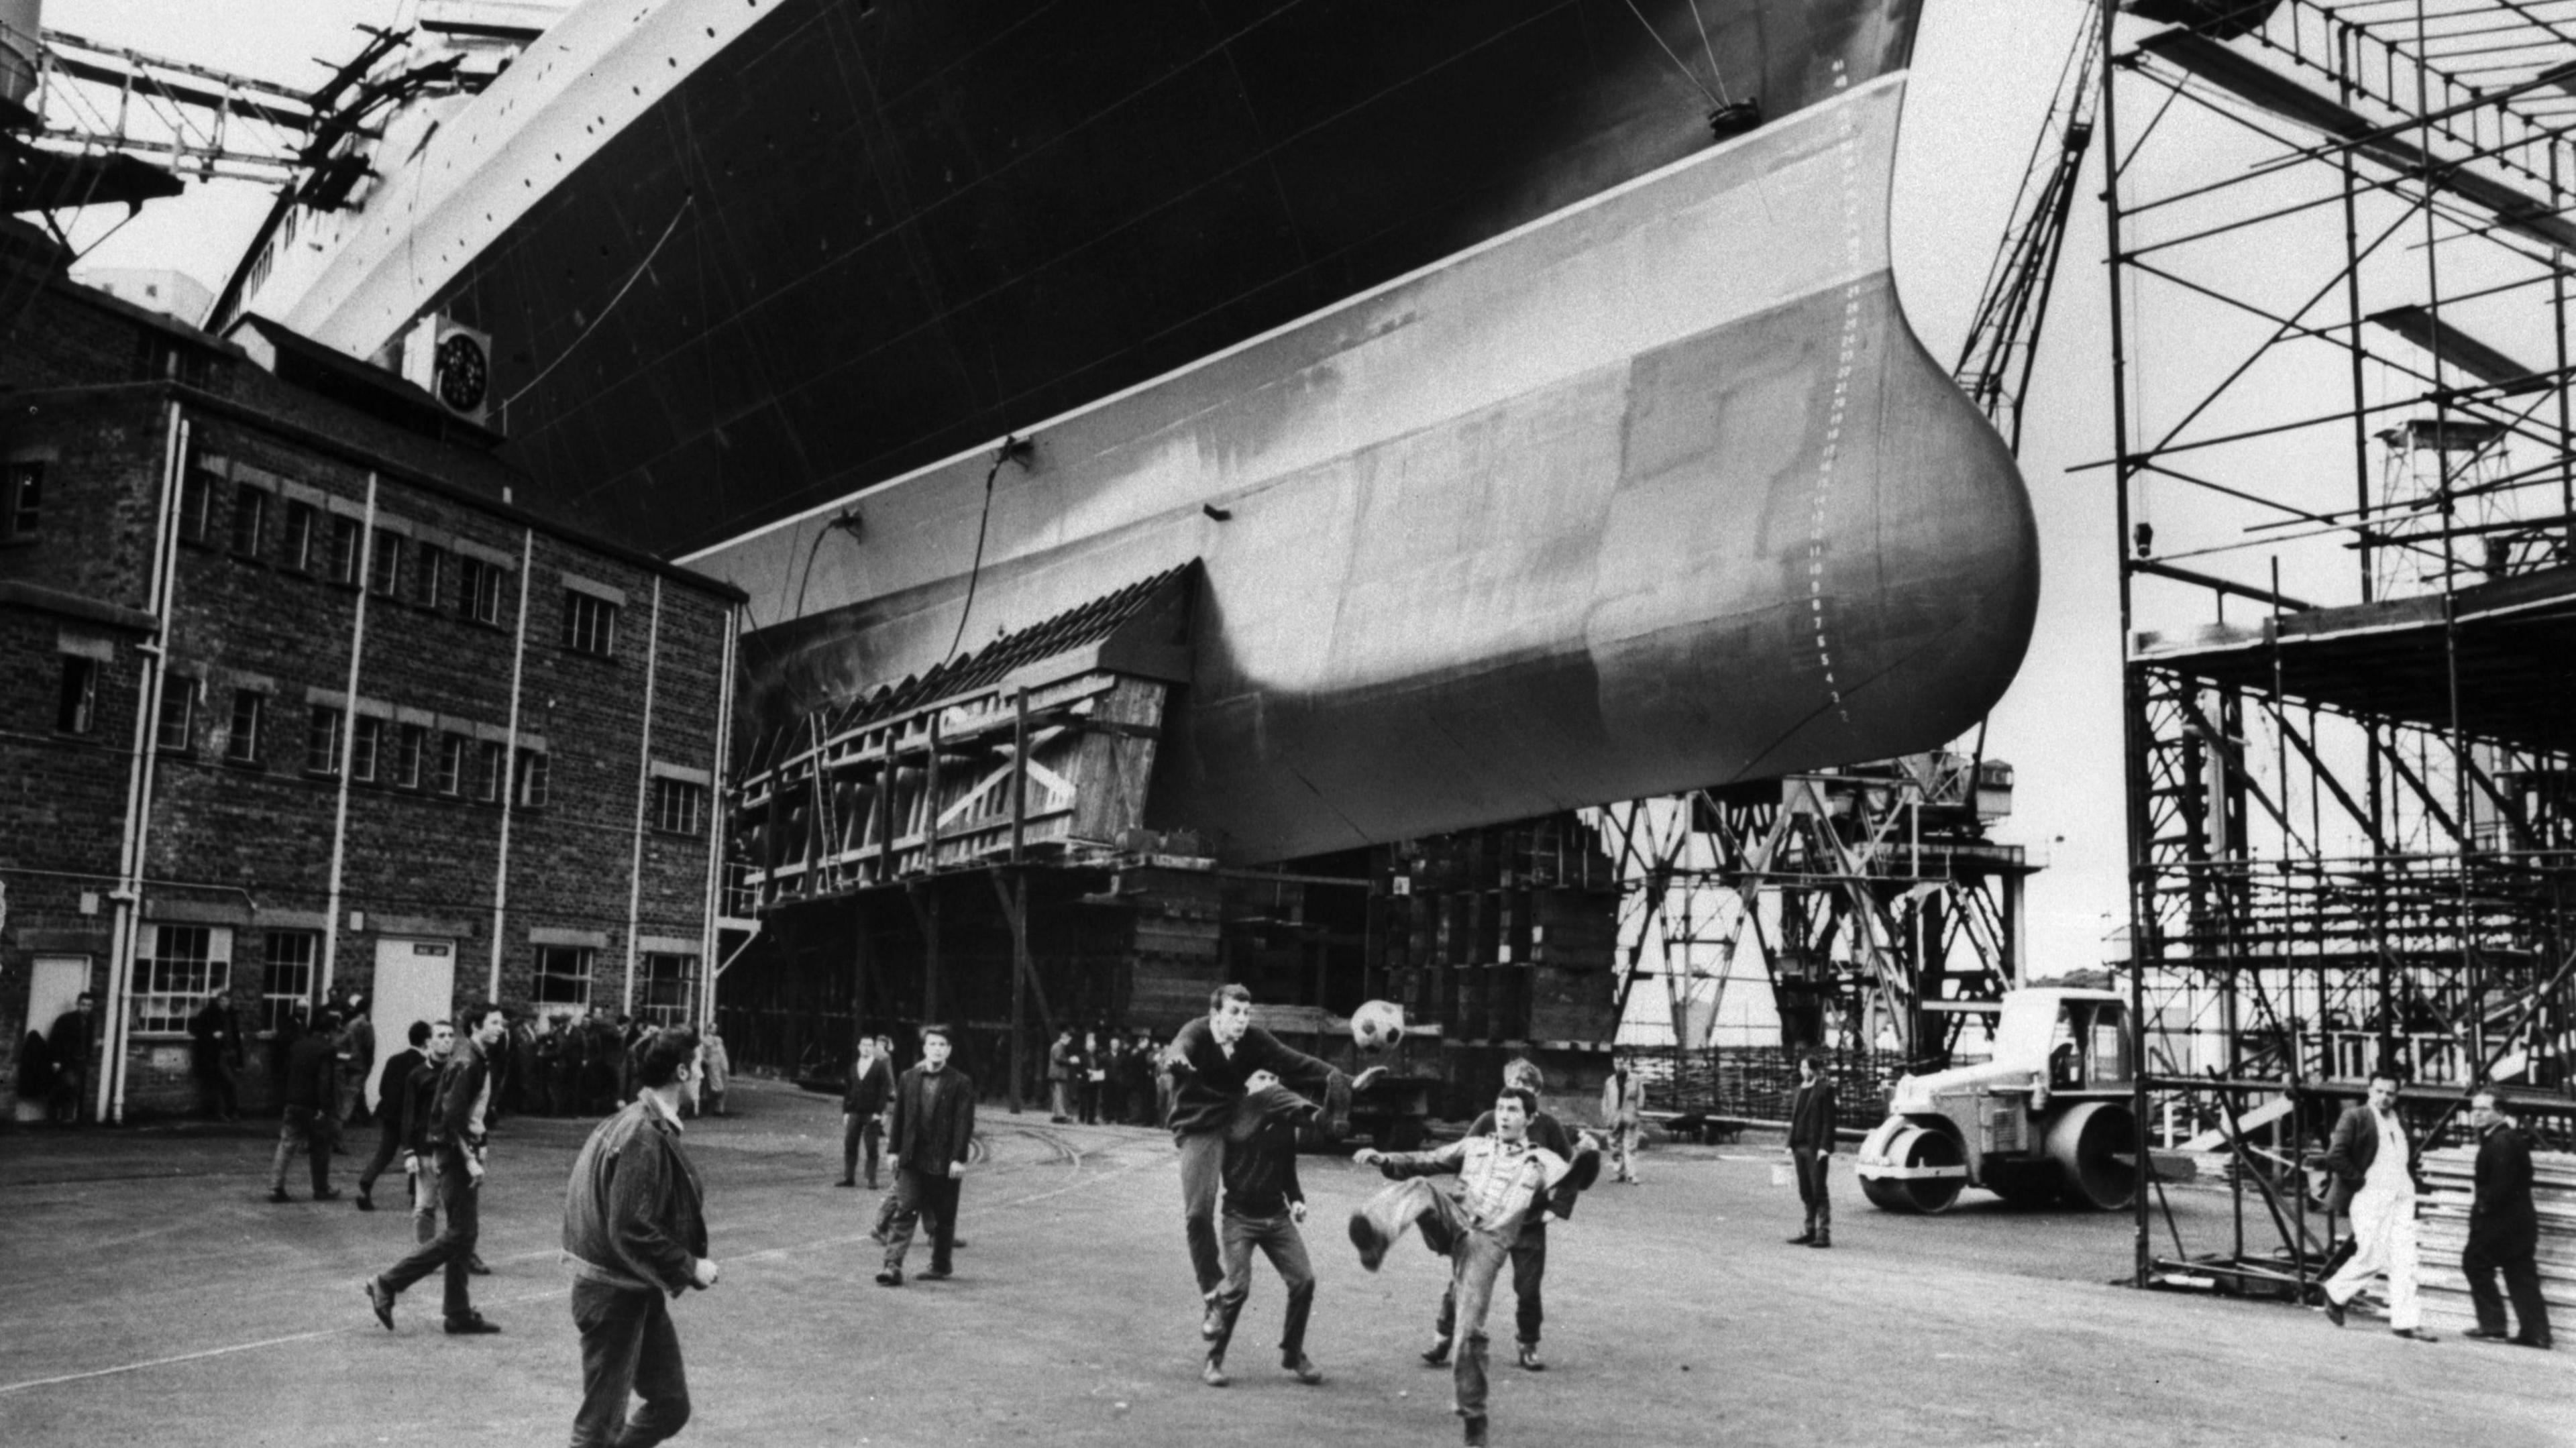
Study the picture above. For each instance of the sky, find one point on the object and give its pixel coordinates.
(1984, 71)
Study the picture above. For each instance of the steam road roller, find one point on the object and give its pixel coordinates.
(2047, 1119)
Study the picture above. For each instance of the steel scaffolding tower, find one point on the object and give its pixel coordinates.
(2339, 340)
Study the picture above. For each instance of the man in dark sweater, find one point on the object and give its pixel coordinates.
(456, 1133)
(934, 1125)
(1529, 1249)
(871, 1085)
(635, 1232)
(389, 1114)
(1263, 1206)
(2504, 1230)
(312, 1090)
(1811, 1147)
(413, 1112)
(1209, 1061)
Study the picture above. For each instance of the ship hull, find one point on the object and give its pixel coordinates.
(1654, 493)
(1537, 451)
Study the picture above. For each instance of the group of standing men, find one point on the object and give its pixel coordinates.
(2375, 1168)
(1101, 1076)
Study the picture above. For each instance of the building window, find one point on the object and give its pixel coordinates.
(22, 498)
(301, 521)
(528, 791)
(487, 780)
(563, 976)
(428, 574)
(178, 967)
(288, 978)
(76, 711)
(670, 989)
(365, 749)
(322, 741)
(479, 591)
(241, 743)
(196, 502)
(178, 715)
(410, 754)
(250, 519)
(678, 806)
(384, 571)
(590, 624)
(451, 764)
(346, 534)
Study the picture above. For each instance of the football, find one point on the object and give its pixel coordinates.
(1377, 1026)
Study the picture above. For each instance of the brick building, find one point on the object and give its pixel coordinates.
(295, 698)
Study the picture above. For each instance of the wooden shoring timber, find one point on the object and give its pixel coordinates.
(936, 788)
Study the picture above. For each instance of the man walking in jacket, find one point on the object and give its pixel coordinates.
(635, 1231)
(1811, 1147)
(2373, 1158)
(934, 1122)
(456, 1134)
(389, 1112)
(861, 1106)
(312, 1091)
(2504, 1230)
(1210, 1060)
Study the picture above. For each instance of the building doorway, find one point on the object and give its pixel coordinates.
(415, 981)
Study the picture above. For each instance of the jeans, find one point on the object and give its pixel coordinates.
(920, 1194)
(1812, 1165)
(1202, 1166)
(1278, 1239)
(424, 1201)
(1476, 1258)
(861, 1134)
(627, 1347)
(1625, 1137)
(453, 1248)
(311, 1126)
(1529, 1266)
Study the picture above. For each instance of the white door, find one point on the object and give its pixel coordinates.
(55, 988)
(415, 981)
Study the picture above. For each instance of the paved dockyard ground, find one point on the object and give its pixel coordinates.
(149, 1294)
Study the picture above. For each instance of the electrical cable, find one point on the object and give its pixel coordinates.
(1011, 447)
(1678, 63)
(632, 278)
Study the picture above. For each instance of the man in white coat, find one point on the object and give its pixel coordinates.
(2373, 1161)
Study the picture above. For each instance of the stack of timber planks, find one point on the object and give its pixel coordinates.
(2442, 1230)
